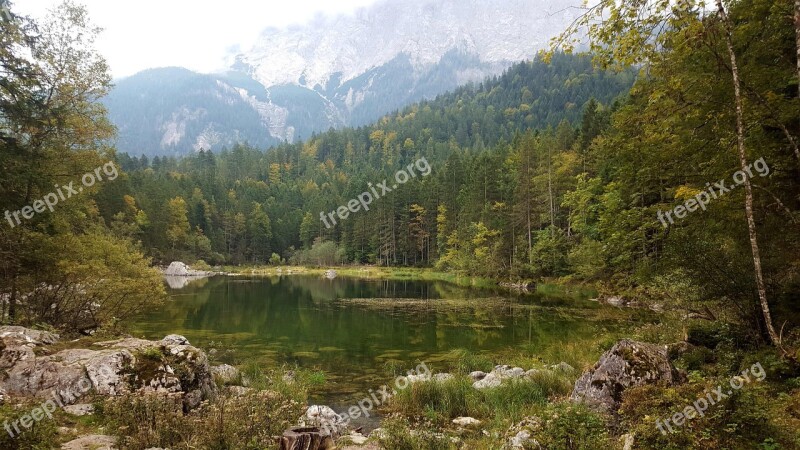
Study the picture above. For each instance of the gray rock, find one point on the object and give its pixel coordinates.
(466, 422)
(497, 376)
(521, 435)
(35, 337)
(627, 441)
(92, 442)
(627, 364)
(440, 377)
(227, 374)
(331, 274)
(477, 375)
(324, 418)
(83, 409)
(414, 378)
(114, 368)
(175, 339)
(491, 380)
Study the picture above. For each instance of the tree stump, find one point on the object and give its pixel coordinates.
(306, 439)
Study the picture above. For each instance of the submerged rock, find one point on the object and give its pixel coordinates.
(627, 364)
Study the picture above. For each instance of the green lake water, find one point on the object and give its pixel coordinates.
(356, 330)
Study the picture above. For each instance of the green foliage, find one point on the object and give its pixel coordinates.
(567, 426)
(42, 435)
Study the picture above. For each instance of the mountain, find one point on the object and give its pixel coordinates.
(332, 72)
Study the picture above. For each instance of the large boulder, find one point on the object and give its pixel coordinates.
(178, 269)
(628, 364)
(324, 419)
(113, 368)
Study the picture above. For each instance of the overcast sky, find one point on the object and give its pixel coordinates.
(196, 34)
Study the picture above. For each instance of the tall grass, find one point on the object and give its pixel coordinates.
(442, 401)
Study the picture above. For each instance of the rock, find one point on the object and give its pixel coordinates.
(92, 442)
(491, 380)
(179, 269)
(507, 372)
(226, 374)
(520, 436)
(324, 418)
(175, 339)
(356, 438)
(615, 301)
(35, 337)
(627, 364)
(377, 434)
(520, 440)
(115, 368)
(83, 409)
(330, 274)
(421, 378)
(466, 422)
(477, 375)
(627, 441)
(239, 391)
(563, 367)
(496, 376)
(441, 377)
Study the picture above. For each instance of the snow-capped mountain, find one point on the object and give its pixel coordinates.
(347, 46)
(347, 70)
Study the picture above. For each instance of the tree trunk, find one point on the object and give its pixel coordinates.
(751, 222)
(305, 439)
(797, 40)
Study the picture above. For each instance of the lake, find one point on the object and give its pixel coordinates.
(357, 330)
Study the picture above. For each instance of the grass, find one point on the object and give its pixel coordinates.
(368, 273)
(442, 401)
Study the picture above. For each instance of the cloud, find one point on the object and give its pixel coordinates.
(198, 35)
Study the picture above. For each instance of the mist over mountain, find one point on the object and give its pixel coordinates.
(333, 72)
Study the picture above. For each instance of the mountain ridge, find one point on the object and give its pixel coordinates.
(348, 70)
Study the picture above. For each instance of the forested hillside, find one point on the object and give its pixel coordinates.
(244, 204)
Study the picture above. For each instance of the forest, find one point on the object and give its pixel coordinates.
(557, 169)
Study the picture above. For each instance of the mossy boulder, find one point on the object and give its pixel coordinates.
(628, 364)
